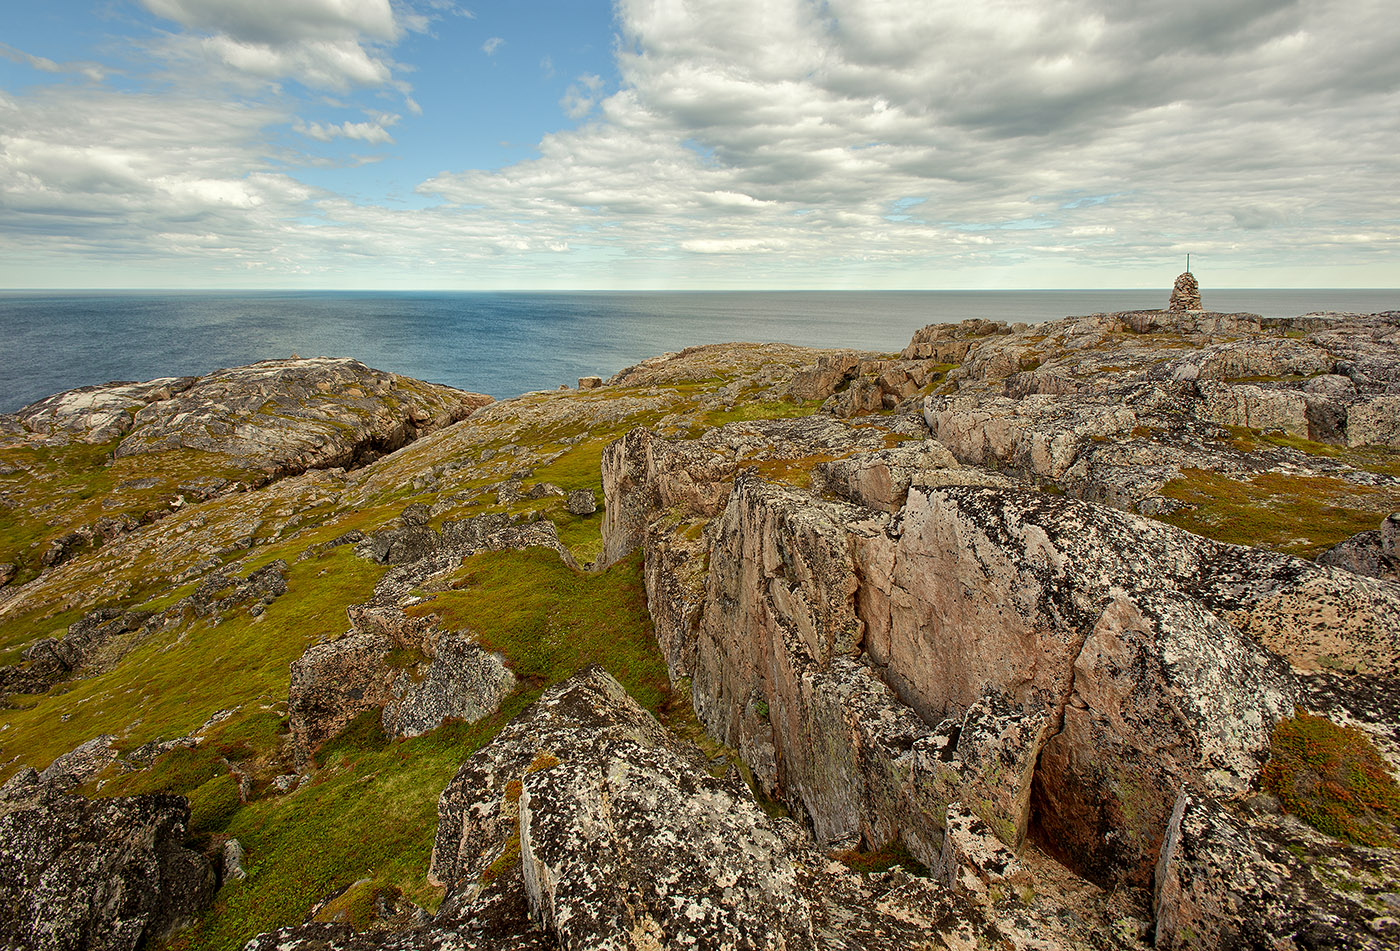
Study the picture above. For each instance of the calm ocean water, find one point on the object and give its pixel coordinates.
(506, 344)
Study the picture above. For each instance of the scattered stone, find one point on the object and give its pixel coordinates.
(581, 502)
(233, 856)
(286, 782)
(589, 382)
(7, 573)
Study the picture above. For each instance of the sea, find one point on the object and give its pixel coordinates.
(505, 344)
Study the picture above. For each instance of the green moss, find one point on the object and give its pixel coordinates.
(1333, 778)
(1298, 514)
(761, 409)
(364, 734)
(549, 620)
(371, 814)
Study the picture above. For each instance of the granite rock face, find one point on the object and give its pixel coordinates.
(1228, 879)
(109, 874)
(900, 633)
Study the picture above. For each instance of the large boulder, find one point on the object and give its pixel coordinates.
(80, 874)
(287, 416)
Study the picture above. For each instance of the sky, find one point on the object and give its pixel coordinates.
(696, 144)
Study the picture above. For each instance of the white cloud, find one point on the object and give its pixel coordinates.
(491, 45)
(375, 132)
(325, 44)
(581, 96)
(793, 134)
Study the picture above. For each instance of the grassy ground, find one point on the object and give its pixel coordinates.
(1297, 514)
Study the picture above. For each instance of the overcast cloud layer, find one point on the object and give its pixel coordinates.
(858, 143)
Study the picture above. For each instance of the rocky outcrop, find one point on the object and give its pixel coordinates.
(97, 414)
(419, 547)
(1227, 879)
(418, 674)
(1112, 407)
(279, 416)
(934, 638)
(287, 416)
(111, 874)
(99, 639)
(622, 833)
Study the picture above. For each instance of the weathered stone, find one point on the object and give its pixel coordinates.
(332, 683)
(1375, 423)
(626, 841)
(7, 573)
(973, 859)
(109, 874)
(96, 414)
(287, 416)
(1375, 553)
(1226, 882)
(462, 681)
(589, 382)
(233, 856)
(581, 502)
(83, 762)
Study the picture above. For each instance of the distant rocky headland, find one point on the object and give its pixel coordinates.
(1082, 634)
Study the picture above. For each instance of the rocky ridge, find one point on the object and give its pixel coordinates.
(936, 610)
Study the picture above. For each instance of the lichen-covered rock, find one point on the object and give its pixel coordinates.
(625, 841)
(108, 874)
(287, 416)
(1226, 880)
(416, 673)
(1375, 553)
(96, 414)
(334, 682)
(461, 681)
(581, 502)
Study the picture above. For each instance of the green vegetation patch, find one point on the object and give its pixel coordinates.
(1333, 778)
(369, 814)
(550, 621)
(1297, 514)
(85, 483)
(1377, 459)
(171, 684)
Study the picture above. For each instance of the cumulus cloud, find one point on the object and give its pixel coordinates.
(326, 44)
(375, 131)
(581, 96)
(1122, 131)
(841, 140)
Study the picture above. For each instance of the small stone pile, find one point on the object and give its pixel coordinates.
(1186, 293)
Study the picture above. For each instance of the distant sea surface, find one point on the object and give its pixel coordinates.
(507, 344)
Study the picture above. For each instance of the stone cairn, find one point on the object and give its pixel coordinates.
(1186, 293)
